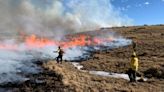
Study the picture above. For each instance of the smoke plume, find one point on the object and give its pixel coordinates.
(55, 18)
(52, 19)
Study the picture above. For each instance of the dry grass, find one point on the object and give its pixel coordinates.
(65, 78)
(80, 81)
(85, 82)
(150, 50)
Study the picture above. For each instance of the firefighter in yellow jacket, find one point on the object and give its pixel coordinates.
(133, 67)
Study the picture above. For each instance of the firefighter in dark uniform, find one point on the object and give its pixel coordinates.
(60, 52)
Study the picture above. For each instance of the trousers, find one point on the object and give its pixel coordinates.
(59, 58)
(132, 75)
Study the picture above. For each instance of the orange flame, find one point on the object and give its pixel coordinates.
(33, 41)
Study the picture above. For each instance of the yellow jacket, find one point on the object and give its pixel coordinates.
(134, 63)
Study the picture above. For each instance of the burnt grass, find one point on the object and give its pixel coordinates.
(47, 81)
(150, 51)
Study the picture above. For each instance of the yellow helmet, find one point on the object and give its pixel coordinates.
(134, 54)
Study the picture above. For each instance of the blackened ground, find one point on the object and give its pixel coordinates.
(65, 78)
(150, 51)
(47, 81)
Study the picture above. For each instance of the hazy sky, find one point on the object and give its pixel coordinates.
(141, 11)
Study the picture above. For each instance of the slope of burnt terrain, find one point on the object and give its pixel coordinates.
(65, 78)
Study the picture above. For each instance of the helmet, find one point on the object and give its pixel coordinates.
(134, 54)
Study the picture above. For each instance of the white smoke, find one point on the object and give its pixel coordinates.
(20, 61)
(15, 63)
(52, 19)
(97, 13)
(58, 17)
